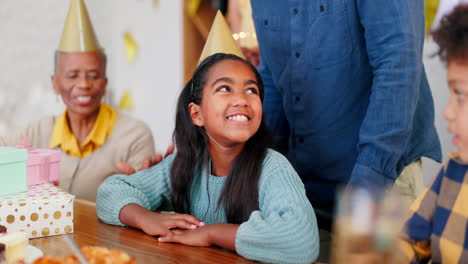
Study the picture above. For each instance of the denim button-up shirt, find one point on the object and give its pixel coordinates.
(345, 89)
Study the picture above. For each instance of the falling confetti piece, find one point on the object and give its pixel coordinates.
(155, 3)
(431, 7)
(126, 102)
(192, 7)
(131, 47)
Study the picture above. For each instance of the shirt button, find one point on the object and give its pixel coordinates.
(322, 8)
(301, 140)
(298, 98)
(265, 22)
(295, 11)
(298, 54)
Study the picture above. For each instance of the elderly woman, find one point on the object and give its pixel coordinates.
(92, 136)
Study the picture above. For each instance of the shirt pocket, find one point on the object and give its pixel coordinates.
(328, 39)
(273, 38)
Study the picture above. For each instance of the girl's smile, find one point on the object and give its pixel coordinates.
(239, 117)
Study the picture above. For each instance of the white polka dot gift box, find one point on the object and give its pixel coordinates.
(43, 210)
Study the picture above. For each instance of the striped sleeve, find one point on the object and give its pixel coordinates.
(415, 243)
(147, 188)
(284, 230)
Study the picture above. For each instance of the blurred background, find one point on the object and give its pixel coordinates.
(152, 48)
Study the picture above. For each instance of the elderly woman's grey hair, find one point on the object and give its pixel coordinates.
(58, 53)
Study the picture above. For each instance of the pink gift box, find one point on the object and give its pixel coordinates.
(43, 166)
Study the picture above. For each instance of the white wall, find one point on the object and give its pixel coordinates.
(156, 77)
(436, 73)
(30, 32)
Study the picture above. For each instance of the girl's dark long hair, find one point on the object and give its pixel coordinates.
(240, 193)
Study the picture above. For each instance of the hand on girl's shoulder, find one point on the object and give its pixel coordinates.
(147, 163)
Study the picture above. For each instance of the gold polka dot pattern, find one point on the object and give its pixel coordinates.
(33, 210)
(10, 219)
(34, 217)
(57, 215)
(45, 231)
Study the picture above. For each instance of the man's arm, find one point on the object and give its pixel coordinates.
(394, 35)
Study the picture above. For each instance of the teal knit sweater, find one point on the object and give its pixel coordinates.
(284, 230)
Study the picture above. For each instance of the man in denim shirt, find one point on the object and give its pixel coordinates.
(346, 92)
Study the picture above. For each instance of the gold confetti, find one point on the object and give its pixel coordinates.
(131, 47)
(155, 3)
(126, 102)
(192, 7)
(431, 7)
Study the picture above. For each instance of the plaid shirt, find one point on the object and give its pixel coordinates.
(437, 226)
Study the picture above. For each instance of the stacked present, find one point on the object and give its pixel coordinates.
(28, 200)
(43, 166)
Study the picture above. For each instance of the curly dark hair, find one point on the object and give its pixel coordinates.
(452, 35)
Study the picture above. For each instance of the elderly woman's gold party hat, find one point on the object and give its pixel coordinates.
(78, 34)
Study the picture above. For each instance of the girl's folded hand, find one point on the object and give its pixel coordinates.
(197, 237)
(161, 223)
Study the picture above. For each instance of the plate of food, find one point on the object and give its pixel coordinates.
(14, 246)
(92, 255)
(33, 253)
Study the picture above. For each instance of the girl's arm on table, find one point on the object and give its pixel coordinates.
(156, 223)
(148, 189)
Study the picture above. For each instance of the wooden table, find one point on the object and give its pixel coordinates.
(88, 230)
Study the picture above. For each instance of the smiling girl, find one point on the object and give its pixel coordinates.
(224, 184)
